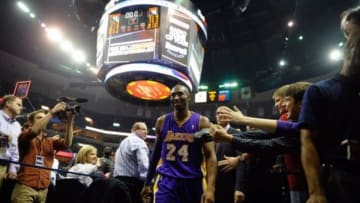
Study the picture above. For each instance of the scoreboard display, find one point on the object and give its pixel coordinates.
(163, 34)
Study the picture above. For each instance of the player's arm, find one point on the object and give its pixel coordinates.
(155, 157)
(211, 164)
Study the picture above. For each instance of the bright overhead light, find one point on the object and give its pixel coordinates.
(23, 6)
(46, 108)
(43, 25)
(54, 34)
(203, 87)
(89, 120)
(301, 37)
(228, 85)
(282, 62)
(94, 70)
(116, 124)
(79, 56)
(290, 23)
(66, 46)
(32, 15)
(341, 44)
(335, 55)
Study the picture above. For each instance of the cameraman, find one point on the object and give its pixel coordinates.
(35, 148)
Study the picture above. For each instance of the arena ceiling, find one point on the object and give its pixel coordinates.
(247, 38)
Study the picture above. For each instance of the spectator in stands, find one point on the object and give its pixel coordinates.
(85, 163)
(107, 162)
(330, 130)
(228, 184)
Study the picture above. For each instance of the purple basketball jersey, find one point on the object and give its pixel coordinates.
(181, 155)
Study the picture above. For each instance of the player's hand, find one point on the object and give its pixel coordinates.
(315, 198)
(239, 197)
(229, 163)
(146, 194)
(208, 196)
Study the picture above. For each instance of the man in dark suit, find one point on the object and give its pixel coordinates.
(228, 184)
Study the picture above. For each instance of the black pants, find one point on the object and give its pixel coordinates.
(134, 185)
(341, 185)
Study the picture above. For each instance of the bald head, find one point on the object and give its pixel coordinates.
(181, 88)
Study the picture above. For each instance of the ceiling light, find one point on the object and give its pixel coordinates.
(203, 87)
(79, 56)
(290, 23)
(282, 62)
(89, 120)
(66, 46)
(54, 34)
(46, 108)
(94, 70)
(335, 55)
(23, 6)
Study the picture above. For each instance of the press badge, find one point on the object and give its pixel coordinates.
(39, 161)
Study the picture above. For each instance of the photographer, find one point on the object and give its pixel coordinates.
(36, 148)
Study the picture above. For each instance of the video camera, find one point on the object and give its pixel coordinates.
(71, 106)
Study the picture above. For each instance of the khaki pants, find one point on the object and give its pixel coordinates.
(2, 174)
(26, 194)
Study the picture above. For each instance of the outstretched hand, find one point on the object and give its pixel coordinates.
(229, 163)
(231, 115)
(219, 134)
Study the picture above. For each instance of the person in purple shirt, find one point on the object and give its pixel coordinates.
(330, 130)
(276, 133)
(181, 161)
(279, 137)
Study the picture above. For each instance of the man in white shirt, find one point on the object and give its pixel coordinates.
(10, 130)
(132, 161)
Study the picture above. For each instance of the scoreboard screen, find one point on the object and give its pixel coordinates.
(147, 46)
(132, 35)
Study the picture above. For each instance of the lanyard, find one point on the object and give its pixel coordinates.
(40, 148)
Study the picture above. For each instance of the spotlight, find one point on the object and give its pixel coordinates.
(79, 56)
(290, 23)
(23, 7)
(54, 34)
(335, 55)
(282, 62)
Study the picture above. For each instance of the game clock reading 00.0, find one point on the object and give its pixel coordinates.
(134, 19)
